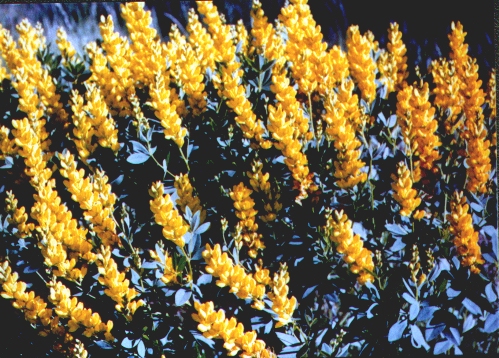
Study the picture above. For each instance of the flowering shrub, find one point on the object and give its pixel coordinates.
(248, 192)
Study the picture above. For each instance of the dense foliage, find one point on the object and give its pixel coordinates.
(246, 191)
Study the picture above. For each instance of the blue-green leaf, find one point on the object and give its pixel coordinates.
(182, 296)
(137, 158)
(397, 330)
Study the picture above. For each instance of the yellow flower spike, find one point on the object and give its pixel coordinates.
(491, 93)
(340, 231)
(281, 304)
(447, 91)
(67, 50)
(169, 272)
(214, 325)
(416, 117)
(478, 159)
(403, 192)
(96, 199)
(465, 236)
(201, 42)
(146, 57)
(174, 226)
(186, 199)
(165, 111)
(244, 204)
(18, 216)
(118, 56)
(34, 308)
(362, 66)
(397, 51)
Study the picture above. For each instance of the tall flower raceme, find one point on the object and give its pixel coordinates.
(23, 61)
(397, 50)
(117, 51)
(465, 236)
(34, 307)
(244, 204)
(201, 42)
(478, 159)
(93, 119)
(415, 116)
(18, 216)
(491, 93)
(68, 52)
(143, 61)
(165, 214)
(186, 198)
(7, 145)
(259, 181)
(118, 287)
(362, 66)
(165, 111)
(244, 285)
(339, 230)
(304, 47)
(392, 64)
(213, 324)
(68, 307)
(447, 92)
(342, 117)
(403, 192)
(229, 83)
(165, 260)
(282, 305)
(94, 196)
(186, 70)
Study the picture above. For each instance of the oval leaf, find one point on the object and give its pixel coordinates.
(182, 296)
(396, 331)
(137, 158)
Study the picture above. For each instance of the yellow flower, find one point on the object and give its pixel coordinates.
(281, 304)
(403, 192)
(244, 285)
(244, 204)
(465, 236)
(169, 272)
(118, 56)
(145, 59)
(447, 92)
(184, 191)
(34, 308)
(478, 159)
(174, 226)
(397, 50)
(165, 111)
(362, 66)
(339, 230)
(213, 324)
(201, 42)
(416, 117)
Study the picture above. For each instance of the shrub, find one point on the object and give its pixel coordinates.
(247, 192)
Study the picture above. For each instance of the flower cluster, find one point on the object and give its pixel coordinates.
(118, 287)
(230, 81)
(403, 192)
(215, 325)
(95, 198)
(362, 66)
(165, 214)
(260, 183)
(415, 116)
(281, 304)
(342, 116)
(447, 95)
(244, 285)
(166, 261)
(465, 236)
(34, 308)
(186, 199)
(18, 216)
(78, 315)
(244, 204)
(339, 230)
